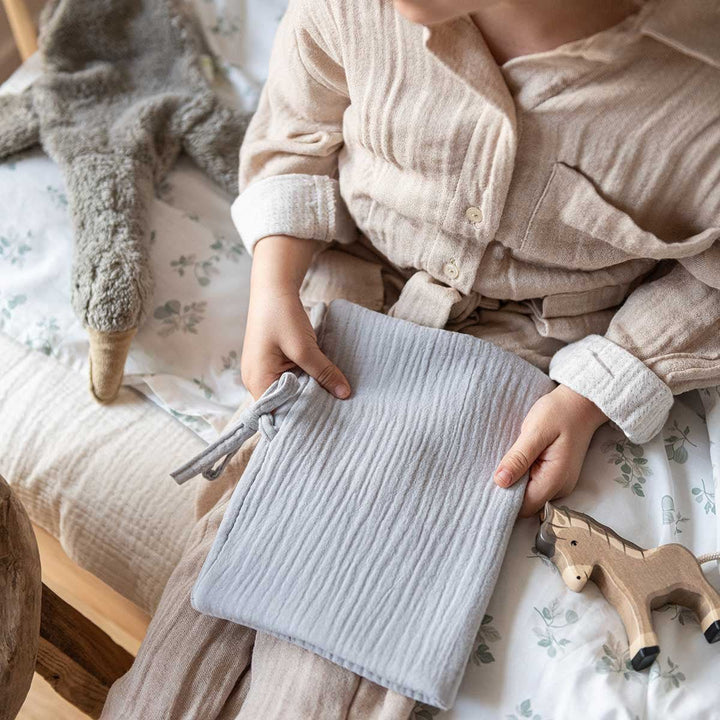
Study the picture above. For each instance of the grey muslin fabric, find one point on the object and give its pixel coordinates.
(369, 530)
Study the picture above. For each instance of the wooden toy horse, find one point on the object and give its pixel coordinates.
(635, 581)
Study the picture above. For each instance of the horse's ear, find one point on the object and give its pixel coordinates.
(547, 512)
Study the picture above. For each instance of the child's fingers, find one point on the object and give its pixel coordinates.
(317, 365)
(520, 457)
(554, 477)
(541, 487)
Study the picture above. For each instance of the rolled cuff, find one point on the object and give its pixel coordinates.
(302, 206)
(622, 386)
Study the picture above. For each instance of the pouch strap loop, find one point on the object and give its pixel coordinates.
(257, 417)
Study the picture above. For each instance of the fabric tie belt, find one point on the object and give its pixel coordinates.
(257, 417)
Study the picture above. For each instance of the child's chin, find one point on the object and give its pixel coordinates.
(422, 15)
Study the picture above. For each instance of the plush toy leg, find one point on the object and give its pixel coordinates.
(108, 352)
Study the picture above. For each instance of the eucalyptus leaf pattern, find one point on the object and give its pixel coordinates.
(231, 250)
(43, 336)
(524, 710)
(231, 364)
(671, 678)
(14, 248)
(676, 440)
(681, 614)
(615, 660)
(481, 654)
(671, 516)
(631, 463)
(203, 387)
(8, 305)
(202, 270)
(57, 196)
(553, 619)
(705, 497)
(176, 317)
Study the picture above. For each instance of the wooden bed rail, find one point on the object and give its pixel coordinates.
(22, 27)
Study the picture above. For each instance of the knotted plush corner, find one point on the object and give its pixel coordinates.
(122, 94)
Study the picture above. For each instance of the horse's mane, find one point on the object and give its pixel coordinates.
(579, 519)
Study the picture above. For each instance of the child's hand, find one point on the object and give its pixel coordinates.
(553, 443)
(279, 335)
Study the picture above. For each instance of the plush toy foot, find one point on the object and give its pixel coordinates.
(645, 657)
(712, 632)
(108, 352)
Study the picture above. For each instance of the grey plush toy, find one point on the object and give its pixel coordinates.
(122, 94)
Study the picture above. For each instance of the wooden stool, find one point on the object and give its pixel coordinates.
(41, 633)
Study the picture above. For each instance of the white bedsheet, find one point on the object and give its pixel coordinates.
(543, 653)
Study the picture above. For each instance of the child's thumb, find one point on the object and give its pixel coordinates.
(318, 366)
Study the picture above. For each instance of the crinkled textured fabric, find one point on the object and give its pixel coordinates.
(370, 530)
(95, 477)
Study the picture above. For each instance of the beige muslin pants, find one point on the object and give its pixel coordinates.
(195, 667)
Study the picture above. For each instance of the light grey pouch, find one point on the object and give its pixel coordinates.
(369, 530)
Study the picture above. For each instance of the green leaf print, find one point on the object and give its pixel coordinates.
(487, 633)
(631, 462)
(615, 660)
(202, 270)
(177, 317)
(7, 305)
(202, 385)
(421, 711)
(57, 196)
(675, 442)
(229, 250)
(703, 495)
(681, 614)
(14, 249)
(524, 710)
(43, 336)
(670, 516)
(231, 364)
(553, 619)
(672, 677)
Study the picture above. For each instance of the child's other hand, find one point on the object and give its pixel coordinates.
(279, 336)
(553, 443)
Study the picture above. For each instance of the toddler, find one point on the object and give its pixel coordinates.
(543, 174)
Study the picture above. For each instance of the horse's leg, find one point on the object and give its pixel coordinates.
(634, 611)
(707, 609)
(644, 647)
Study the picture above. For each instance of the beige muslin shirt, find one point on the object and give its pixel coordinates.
(577, 188)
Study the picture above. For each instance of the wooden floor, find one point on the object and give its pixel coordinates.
(118, 617)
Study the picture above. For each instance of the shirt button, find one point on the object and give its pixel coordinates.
(474, 215)
(451, 270)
